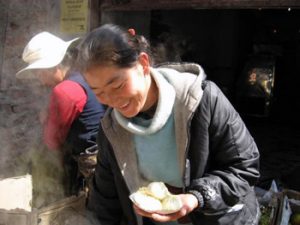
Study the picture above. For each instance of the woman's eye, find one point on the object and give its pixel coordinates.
(119, 86)
(101, 97)
(98, 93)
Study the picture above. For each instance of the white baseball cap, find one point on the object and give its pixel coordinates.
(44, 50)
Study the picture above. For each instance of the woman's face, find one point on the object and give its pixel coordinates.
(125, 89)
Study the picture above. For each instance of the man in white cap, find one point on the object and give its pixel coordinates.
(72, 121)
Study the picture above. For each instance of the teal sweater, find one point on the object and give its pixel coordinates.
(157, 154)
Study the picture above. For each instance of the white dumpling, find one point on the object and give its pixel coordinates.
(171, 203)
(145, 202)
(158, 190)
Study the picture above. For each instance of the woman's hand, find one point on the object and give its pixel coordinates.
(189, 203)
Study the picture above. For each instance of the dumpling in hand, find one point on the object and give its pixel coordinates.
(158, 190)
(146, 202)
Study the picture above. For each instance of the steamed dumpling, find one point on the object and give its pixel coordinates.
(158, 190)
(171, 203)
(146, 202)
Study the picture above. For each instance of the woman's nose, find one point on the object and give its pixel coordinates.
(105, 99)
(112, 100)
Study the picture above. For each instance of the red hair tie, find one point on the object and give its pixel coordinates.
(131, 31)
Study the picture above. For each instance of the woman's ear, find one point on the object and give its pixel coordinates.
(144, 61)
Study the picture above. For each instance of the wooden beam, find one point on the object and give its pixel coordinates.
(129, 5)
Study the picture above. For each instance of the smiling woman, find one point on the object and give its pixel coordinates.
(166, 125)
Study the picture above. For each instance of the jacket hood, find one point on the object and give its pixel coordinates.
(192, 68)
(187, 80)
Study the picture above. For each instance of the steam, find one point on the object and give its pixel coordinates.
(22, 152)
(70, 217)
(22, 149)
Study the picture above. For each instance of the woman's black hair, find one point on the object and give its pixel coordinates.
(111, 45)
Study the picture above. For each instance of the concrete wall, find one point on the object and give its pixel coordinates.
(20, 131)
(20, 20)
(23, 19)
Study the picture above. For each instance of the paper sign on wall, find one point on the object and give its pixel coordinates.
(74, 16)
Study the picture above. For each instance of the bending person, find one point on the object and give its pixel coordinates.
(71, 121)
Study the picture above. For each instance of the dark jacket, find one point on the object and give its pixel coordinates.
(218, 155)
(84, 129)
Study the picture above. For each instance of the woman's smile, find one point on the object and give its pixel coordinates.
(124, 106)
